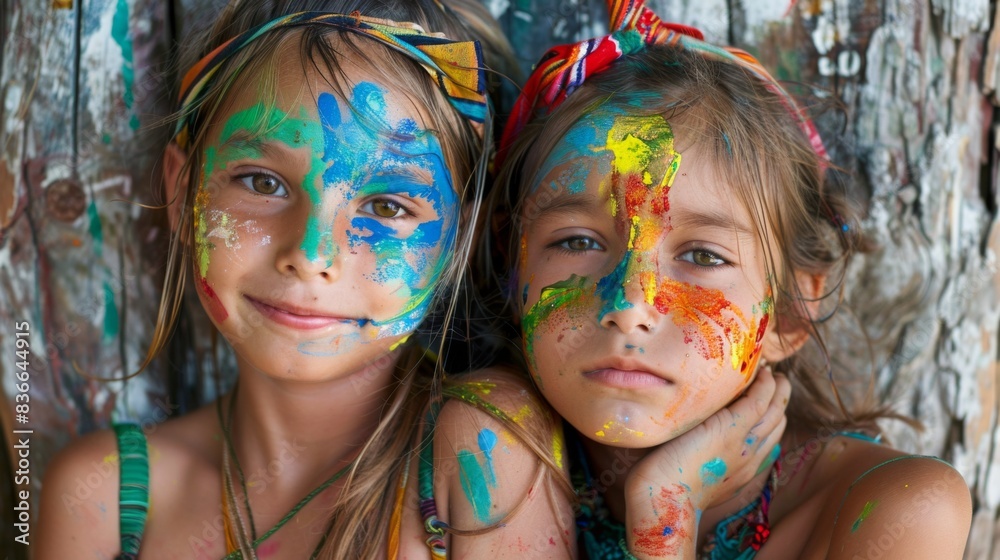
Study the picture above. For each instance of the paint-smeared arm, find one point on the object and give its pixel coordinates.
(706, 466)
(490, 479)
(908, 507)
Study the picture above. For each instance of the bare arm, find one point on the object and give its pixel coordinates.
(78, 517)
(909, 507)
(494, 482)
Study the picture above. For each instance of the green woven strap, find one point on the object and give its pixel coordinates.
(133, 495)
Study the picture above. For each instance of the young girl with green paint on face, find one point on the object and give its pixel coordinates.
(327, 159)
(673, 240)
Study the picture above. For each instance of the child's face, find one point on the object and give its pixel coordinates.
(320, 233)
(643, 305)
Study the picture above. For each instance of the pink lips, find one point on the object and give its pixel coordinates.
(296, 318)
(626, 379)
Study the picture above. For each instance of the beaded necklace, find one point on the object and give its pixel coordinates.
(234, 545)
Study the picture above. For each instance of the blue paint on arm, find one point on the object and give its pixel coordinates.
(487, 441)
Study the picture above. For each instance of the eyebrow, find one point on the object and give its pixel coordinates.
(560, 203)
(242, 140)
(708, 218)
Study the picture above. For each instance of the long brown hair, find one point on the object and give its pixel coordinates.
(790, 192)
(361, 516)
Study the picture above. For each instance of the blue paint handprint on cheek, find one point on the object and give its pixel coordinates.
(366, 156)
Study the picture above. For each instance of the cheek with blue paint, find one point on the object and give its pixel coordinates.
(366, 156)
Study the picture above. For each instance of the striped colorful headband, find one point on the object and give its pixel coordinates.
(456, 66)
(564, 68)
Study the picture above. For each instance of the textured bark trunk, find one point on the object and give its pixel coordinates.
(83, 85)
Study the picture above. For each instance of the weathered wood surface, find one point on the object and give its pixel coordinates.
(79, 261)
(919, 81)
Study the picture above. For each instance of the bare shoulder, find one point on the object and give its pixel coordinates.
(79, 500)
(80, 489)
(500, 462)
(899, 506)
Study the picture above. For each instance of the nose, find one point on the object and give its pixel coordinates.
(625, 307)
(309, 256)
(637, 316)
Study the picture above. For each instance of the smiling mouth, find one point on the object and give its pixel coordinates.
(626, 378)
(299, 318)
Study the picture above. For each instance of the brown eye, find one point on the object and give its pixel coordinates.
(262, 183)
(580, 244)
(386, 209)
(705, 258)
(265, 184)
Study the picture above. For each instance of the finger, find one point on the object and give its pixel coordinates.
(775, 408)
(754, 403)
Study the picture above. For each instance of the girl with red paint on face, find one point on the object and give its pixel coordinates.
(672, 242)
(317, 186)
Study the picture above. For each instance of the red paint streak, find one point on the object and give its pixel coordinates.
(635, 194)
(638, 194)
(750, 363)
(663, 536)
(212, 303)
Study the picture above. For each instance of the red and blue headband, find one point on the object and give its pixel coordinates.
(564, 68)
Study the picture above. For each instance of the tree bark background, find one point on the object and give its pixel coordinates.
(84, 82)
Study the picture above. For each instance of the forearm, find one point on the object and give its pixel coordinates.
(661, 524)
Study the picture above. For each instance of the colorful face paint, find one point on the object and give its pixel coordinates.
(353, 155)
(643, 166)
(644, 289)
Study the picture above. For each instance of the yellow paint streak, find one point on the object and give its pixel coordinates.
(647, 279)
(481, 387)
(201, 231)
(645, 238)
(745, 346)
(619, 430)
(557, 447)
(521, 415)
(632, 155)
(399, 343)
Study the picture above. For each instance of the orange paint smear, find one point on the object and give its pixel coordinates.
(698, 310)
(663, 536)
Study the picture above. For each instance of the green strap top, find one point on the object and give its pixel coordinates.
(133, 494)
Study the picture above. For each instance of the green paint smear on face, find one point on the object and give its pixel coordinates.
(120, 33)
(111, 325)
(474, 485)
(865, 512)
(552, 298)
(239, 139)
